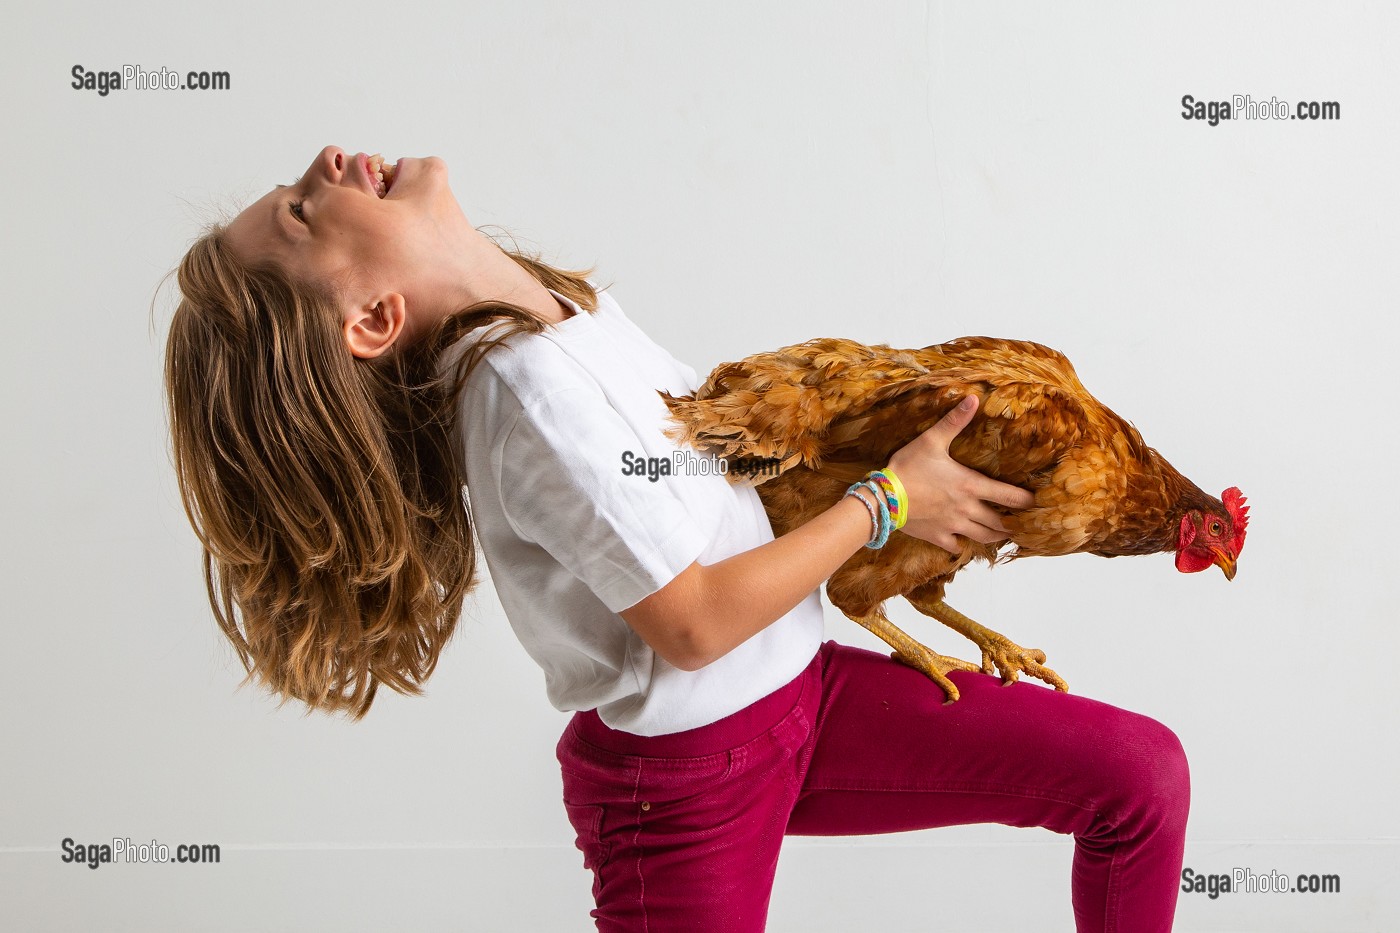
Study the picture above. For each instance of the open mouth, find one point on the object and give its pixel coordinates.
(382, 174)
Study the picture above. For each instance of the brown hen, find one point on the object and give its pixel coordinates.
(828, 411)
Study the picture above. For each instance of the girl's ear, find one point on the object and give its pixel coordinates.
(372, 328)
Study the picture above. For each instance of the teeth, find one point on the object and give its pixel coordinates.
(383, 174)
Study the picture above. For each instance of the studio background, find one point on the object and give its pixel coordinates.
(746, 175)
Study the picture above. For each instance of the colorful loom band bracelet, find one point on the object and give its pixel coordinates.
(887, 490)
(901, 492)
(870, 507)
(886, 522)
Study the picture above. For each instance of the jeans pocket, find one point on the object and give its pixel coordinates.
(675, 779)
(587, 820)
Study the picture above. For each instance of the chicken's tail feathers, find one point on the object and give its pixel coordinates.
(726, 428)
(774, 422)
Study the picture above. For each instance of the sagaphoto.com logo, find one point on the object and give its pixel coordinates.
(133, 77)
(682, 462)
(1244, 107)
(121, 850)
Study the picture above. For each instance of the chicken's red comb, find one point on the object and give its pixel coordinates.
(1239, 514)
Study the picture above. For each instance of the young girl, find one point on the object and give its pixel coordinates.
(349, 351)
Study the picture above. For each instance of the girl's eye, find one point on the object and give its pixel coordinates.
(295, 206)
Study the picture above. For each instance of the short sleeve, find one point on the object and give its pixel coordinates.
(562, 486)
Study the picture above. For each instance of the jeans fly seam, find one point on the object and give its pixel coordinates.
(637, 841)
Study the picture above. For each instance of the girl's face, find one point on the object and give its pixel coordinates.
(381, 255)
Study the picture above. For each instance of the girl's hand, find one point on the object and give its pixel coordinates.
(947, 498)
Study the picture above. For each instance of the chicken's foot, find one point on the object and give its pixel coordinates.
(999, 653)
(908, 651)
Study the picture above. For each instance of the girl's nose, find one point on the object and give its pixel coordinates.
(332, 159)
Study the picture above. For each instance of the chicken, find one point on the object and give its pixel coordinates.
(826, 412)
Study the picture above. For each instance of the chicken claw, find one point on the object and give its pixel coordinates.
(999, 653)
(908, 651)
(936, 666)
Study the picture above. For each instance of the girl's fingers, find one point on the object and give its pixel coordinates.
(938, 537)
(1013, 497)
(948, 539)
(984, 535)
(983, 515)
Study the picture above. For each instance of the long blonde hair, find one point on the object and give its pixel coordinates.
(323, 487)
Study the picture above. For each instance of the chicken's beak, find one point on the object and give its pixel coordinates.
(1224, 561)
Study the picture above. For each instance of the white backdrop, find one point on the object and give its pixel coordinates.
(748, 175)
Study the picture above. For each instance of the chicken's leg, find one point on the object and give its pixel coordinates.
(1009, 658)
(917, 656)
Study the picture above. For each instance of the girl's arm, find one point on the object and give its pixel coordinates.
(708, 610)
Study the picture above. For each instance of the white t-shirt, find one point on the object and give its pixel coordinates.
(571, 536)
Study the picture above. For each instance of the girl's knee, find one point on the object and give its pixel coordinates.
(1153, 773)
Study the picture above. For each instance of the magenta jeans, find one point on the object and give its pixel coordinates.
(682, 831)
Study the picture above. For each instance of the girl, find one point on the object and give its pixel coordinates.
(349, 351)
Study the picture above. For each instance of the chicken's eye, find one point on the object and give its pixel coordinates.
(1215, 528)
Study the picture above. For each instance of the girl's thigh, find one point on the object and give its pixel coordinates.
(888, 754)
